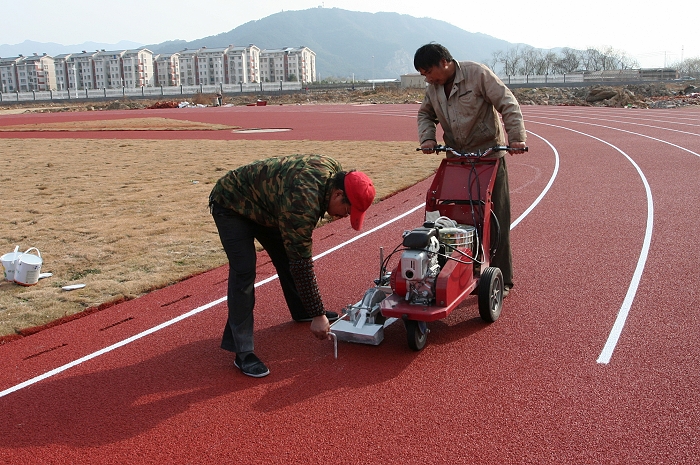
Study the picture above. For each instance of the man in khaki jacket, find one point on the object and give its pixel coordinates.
(466, 98)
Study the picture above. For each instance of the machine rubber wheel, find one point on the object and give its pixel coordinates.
(490, 294)
(417, 334)
(371, 298)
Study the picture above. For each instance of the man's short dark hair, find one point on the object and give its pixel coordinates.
(429, 55)
(339, 183)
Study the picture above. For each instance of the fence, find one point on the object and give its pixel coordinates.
(544, 79)
(145, 92)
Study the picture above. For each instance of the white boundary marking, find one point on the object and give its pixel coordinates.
(179, 318)
(209, 305)
(546, 189)
(622, 314)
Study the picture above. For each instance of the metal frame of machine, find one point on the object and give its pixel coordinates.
(442, 262)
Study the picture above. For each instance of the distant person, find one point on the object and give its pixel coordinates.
(465, 98)
(279, 201)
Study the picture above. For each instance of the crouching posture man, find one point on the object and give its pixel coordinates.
(279, 201)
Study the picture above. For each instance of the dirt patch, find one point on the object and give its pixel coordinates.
(126, 217)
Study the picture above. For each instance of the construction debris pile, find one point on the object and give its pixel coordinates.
(655, 95)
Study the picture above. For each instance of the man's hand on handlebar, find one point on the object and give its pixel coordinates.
(518, 146)
(428, 146)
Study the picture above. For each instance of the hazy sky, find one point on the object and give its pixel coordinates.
(655, 35)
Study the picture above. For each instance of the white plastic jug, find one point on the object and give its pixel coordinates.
(9, 261)
(28, 268)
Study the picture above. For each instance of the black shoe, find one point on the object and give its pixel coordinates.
(251, 366)
(332, 316)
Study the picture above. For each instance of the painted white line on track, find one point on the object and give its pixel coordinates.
(623, 312)
(546, 189)
(124, 342)
(177, 319)
(621, 130)
(209, 305)
(676, 120)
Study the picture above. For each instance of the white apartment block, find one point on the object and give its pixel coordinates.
(36, 73)
(9, 81)
(243, 64)
(108, 70)
(211, 65)
(61, 70)
(288, 64)
(26, 74)
(139, 68)
(81, 71)
(188, 68)
(167, 69)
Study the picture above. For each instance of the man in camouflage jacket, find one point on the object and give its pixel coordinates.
(279, 201)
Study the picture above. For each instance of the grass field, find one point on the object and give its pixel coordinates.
(125, 217)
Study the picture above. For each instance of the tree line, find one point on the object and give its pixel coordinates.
(524, 60)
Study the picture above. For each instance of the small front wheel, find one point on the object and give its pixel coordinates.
(417, 334)
(491, 294)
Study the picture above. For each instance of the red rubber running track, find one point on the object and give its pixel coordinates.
(594, 359)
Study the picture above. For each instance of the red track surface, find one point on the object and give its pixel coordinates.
(611, 236)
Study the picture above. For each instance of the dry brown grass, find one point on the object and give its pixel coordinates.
(128, 216)
(126, 124)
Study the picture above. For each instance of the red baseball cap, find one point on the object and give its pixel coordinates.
(360, 192)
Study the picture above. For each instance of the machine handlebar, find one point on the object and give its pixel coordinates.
(477, 154)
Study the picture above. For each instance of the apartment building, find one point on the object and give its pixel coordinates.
(211, 65)
(26, 74)
(243, 65)
(288, 64)
(36, 73)
(108, 69)
(81, 70)
(188, 68)
(8, 74)
(137, 67)
(166, 68)
(61, 69)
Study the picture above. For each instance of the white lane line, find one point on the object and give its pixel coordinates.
(623, 312)
(621, 130)
(658, 118)
(177, 319)
(546, 189)
(200, 309)
(107, 349)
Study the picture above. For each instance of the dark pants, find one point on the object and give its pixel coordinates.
(238, 236)
(503, 257)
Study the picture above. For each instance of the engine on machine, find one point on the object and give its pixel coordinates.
(426, 250)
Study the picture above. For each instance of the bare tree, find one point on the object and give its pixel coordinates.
(530, 60)
(689, 66)
(496, 59)
(511, 61)
(568, 62)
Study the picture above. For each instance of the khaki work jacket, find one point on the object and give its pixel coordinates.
(469, 116)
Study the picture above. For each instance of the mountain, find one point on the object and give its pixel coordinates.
(347, 43)
(29, 47)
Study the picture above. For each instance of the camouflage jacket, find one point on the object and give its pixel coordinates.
(290, 193)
